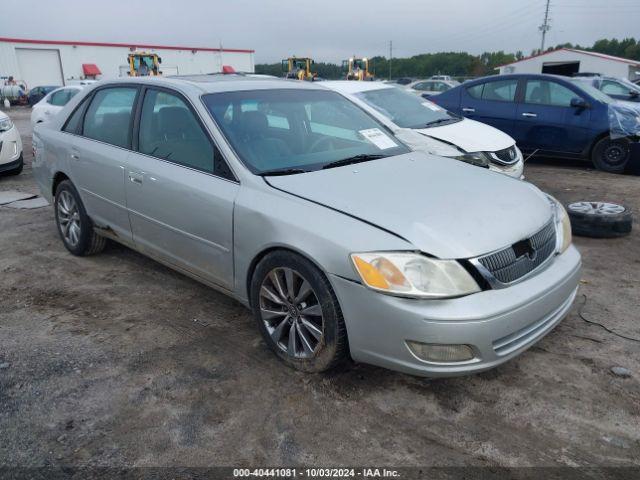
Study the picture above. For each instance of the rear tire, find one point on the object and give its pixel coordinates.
(291, 297)
(74, 225)
(611, 155)
(599, 219)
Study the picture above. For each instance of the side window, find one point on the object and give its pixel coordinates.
(61, 97)
(614, 88)
(476, 91)
(501, 91)
(423, 86)
(169, 130)
(108, 118)
(543, 92)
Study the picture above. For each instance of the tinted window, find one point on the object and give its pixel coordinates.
(169, 130)
(423, 86)
(502, 91)
(108, 118)
(476, 91)
(543, 92)
(321, 127)
(74, 122)
(62, 97)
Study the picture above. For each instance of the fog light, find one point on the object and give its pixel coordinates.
(432, 352)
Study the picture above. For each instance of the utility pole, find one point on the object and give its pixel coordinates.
(545, 27)
(390, 56)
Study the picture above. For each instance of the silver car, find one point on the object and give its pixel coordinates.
(306, 209)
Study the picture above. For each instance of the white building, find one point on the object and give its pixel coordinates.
(567, 61)
(54, 62)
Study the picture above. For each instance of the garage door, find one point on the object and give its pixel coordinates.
(39, 66)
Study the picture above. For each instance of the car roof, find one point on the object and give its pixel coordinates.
(351, 86)
(214, 83)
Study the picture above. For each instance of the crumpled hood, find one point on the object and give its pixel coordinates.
(471, 136)
(444, 207)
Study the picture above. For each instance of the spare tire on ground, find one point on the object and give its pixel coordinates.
(599, 219)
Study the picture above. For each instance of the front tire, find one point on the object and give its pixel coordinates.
(298, 313)
(74, 225)
(611, 155)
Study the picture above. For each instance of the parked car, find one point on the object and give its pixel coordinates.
(52, 103)
(548, 114)
(11, 158)
(36, 94)
(295, 201)
(440, 77)
(425, 126)
(618, 88)
(428, 88)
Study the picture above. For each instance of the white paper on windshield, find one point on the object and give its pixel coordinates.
(431, 106)
(379, 139)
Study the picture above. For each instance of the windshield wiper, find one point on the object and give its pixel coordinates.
(363, 157)
(439, 121)
(282, 171)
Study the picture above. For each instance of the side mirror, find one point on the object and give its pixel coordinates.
(577, 102)
(634, 93)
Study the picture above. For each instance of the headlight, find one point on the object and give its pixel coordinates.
(5, 124)
(478, 159)
(563, 224)
(413, 275)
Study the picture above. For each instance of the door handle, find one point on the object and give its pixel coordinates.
(469, 110)
(529, 115)
(135, 177)
(74, 154)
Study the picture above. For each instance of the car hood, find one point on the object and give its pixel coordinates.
(471, 136)
(444, 207)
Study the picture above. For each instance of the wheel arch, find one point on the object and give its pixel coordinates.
(58, 177)
(270, 249)
(595, 141)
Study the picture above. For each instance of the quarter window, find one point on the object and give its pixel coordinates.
(543, 92)
(476, 91)
(108, 118)
(62, 97)
(169, 130)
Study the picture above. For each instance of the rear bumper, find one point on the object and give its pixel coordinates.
(497, 324)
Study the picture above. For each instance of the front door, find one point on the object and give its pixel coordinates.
(180, 192)
(546, 121)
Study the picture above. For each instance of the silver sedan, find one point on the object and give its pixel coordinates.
(305, 208)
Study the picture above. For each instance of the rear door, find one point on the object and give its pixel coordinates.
(492, 102)
(180, 191)
(547, 121)
(99, 152)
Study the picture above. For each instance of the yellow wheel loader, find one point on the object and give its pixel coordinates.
(298, 68)
(144, 64)
(357, 69)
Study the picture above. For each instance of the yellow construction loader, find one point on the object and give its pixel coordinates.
(357, 69)
(298, 68)
(144, 64)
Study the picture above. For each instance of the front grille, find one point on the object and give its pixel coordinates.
(514, 262)
(508, 156)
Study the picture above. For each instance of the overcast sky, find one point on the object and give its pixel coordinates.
(328, 30)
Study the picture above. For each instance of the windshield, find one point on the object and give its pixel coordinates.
(593, 91)
(296, 129)
(406, 109)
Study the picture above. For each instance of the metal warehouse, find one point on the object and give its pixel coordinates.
(55, 62)
(567, 61)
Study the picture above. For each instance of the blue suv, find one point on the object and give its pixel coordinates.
(552, 115)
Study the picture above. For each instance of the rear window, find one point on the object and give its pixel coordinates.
(108, 118)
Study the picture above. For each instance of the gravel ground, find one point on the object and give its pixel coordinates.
(115, 360)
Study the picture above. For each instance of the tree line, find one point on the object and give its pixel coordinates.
(457, 64)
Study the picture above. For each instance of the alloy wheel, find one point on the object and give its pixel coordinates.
(69, 218)
(596, 208)
(291, 312)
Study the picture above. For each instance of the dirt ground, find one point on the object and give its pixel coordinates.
(115, 360)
